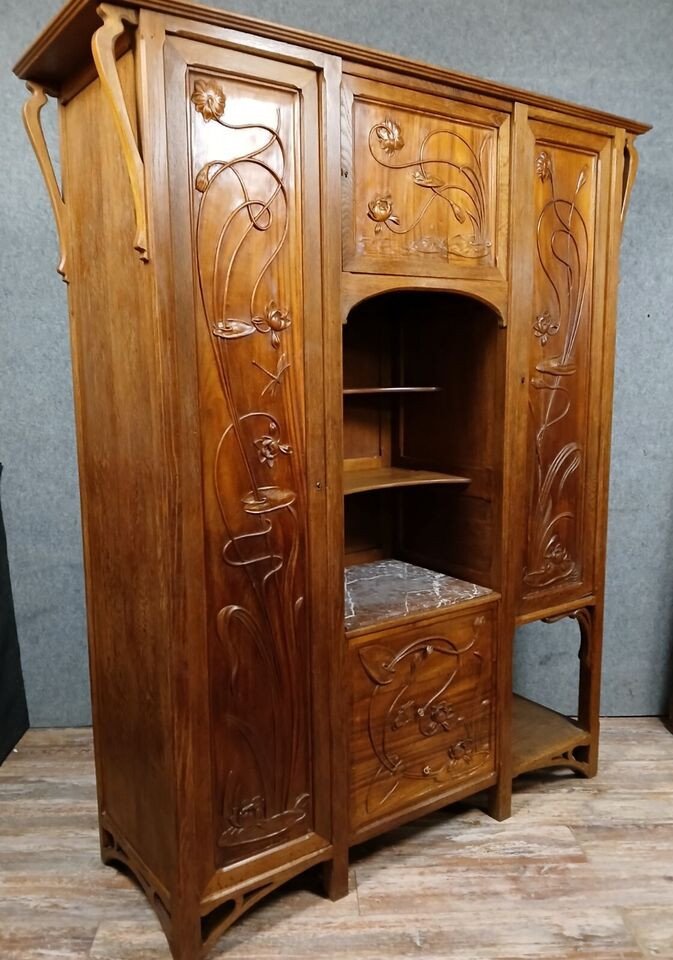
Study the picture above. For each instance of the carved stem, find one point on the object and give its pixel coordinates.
(103, 48)
(31, 120)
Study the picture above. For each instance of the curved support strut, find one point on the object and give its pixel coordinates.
(31, 120)
(103, 49)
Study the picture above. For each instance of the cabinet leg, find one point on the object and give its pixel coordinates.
(590, 620)
(500, 800)
(335, 876)
(185, 939)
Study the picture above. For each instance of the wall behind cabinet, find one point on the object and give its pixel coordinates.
(610, 54)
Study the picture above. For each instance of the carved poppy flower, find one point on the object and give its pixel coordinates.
(274, 320)
(269, 446)
(380, 211)
(543, 166)
(209, 99)
(389, 136)
(545, 327)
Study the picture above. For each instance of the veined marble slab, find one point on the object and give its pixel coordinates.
(387, 589)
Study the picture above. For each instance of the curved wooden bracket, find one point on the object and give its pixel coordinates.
(103, 48)
(31, 120)
(630, 170)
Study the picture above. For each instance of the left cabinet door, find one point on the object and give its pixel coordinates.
(245, 186)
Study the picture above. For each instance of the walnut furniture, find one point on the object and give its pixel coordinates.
(342, 330)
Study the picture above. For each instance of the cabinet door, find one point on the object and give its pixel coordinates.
(569, 185)
(251, 176)
(424, 182)
(422, 713)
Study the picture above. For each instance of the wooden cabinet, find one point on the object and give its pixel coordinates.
(342, 331)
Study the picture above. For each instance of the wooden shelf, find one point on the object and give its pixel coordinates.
(383, 391)
(539, 735)
(382, 478)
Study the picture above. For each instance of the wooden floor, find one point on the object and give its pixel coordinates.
(584, 869)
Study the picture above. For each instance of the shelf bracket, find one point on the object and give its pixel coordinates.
(103, 48)
(32, 109)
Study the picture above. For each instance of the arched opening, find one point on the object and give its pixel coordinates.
(423, 376)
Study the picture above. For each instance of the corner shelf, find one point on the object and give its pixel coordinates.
(385, 391)
(541, 735)
(382, 478)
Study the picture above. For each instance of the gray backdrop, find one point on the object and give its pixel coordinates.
(613, 54)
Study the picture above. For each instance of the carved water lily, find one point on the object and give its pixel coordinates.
(380, 210)
(545, 327)
(273, 321)
(389, 136)
(269, 446)
(209, 99)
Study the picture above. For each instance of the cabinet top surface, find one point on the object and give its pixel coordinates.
(64, 46)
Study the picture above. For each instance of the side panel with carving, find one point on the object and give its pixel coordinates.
(254, 278)
(422, 713)
(424, 183)
(570, 173)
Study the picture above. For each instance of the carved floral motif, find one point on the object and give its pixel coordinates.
(209, 99)
(263, 642)
(563, 251)
(465, 193)
(410, 705)
(380, 210)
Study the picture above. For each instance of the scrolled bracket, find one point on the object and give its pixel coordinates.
(31, 120)
(103, 48)
(630, 171)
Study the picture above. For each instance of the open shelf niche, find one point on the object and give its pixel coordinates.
(421, 458)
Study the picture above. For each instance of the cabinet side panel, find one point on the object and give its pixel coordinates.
(128, 484)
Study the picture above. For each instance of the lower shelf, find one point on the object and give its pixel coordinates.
(541, 736)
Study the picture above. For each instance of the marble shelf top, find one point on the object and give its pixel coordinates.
(390, 589)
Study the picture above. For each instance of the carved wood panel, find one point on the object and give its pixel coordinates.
(422, 711)
(249, 256)
(570, 182)
(422, 189)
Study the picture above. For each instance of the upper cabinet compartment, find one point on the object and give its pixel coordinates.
(425, 184)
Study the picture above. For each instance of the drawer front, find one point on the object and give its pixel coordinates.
(422, 712)
(425, 184)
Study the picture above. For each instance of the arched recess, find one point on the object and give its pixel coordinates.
(423, 380)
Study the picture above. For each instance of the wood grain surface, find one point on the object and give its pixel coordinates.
(454, 885)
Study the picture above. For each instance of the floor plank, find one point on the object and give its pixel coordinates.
(584, 869)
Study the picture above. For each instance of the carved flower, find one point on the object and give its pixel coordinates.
(545, 327)
(389, 136)
(556, 553)
(463, 750)
(209, 99)
(274, 320)
(380, 211)
(543, 166)
(269, 446)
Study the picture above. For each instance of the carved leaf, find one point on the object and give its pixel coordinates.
(424, 181)
(556, 368)
(467, 247)
(376, 659)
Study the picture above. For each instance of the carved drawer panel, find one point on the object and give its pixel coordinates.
(422, 712)
(569, 177)
(424, 183)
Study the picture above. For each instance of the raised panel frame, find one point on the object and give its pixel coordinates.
(430, 257)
